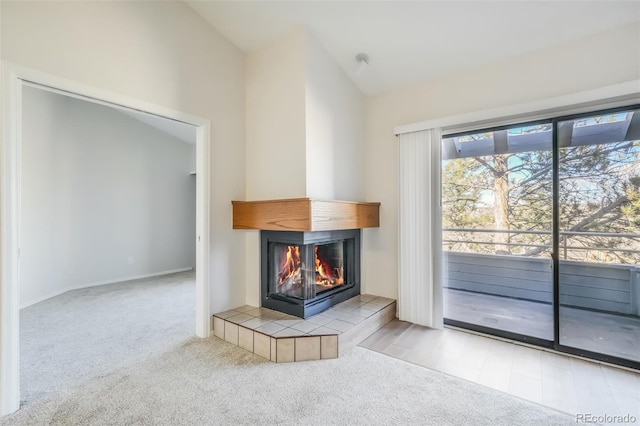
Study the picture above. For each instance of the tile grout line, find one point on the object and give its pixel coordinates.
(331, 334)
(613, 395)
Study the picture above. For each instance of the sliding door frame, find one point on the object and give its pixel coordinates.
(598, 356)
(537, 341)
(555, 232)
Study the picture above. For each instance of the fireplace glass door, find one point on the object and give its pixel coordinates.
(306, 271)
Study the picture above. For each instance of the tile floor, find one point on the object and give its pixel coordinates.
(285, 338)
(565, 383)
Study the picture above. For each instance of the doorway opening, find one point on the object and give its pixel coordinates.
(107, 239)
(15, 79)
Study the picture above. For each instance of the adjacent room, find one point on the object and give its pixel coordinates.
(107, 252)
(328, 212)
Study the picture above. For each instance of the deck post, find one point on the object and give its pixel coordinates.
(634, 290)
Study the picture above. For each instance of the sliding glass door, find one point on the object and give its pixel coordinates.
(599, 233)
(497, 230)
(541, 233)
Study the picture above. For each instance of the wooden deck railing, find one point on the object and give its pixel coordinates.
(606, 287)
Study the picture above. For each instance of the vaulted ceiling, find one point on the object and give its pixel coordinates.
(409, 41)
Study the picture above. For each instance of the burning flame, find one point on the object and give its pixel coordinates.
(291, 270)
(325, 275)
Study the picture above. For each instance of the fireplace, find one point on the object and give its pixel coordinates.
(304, 273)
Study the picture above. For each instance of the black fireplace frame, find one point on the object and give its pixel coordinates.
(307, 308)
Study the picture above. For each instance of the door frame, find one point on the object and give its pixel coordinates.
(555, 343)
(14, 78)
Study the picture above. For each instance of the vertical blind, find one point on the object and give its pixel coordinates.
(419, 236)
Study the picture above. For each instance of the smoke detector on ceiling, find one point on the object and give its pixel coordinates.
(362, 60)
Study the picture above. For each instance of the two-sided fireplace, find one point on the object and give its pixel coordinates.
(304, 273)
(310, 250)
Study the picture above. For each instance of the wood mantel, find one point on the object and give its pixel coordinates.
(304, 214)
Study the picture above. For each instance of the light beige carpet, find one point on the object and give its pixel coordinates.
(76, 336)
(202, 382)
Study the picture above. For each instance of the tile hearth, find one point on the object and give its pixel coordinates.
(280, 337)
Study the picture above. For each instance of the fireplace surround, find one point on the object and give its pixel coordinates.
(310, 250)
(305, 273)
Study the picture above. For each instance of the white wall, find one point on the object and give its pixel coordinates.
(162, 53)
(104, 197)
(275, 120)
(593, 62)
(334, 129)
(305, 123)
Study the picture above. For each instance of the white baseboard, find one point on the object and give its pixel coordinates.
(98, 283)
